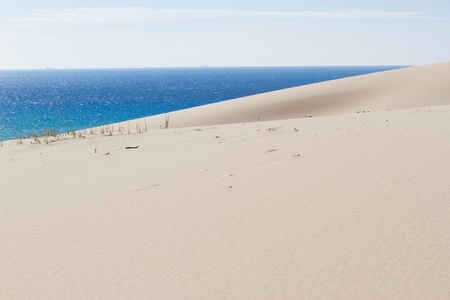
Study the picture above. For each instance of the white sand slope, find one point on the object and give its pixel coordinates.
(403, 88)
(352, 206)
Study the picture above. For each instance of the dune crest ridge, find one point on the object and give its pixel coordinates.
(417, 86)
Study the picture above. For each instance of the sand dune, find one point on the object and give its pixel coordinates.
(344, 206)
(403, 88)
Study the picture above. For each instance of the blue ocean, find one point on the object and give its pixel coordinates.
(31, 99)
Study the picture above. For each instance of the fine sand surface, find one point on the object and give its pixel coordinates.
(342, 205)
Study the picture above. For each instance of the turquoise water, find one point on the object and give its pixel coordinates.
(94, 97)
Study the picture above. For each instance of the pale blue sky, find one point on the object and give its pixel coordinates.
(174, 33)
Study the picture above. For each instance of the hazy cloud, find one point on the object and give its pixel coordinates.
(141, 14)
